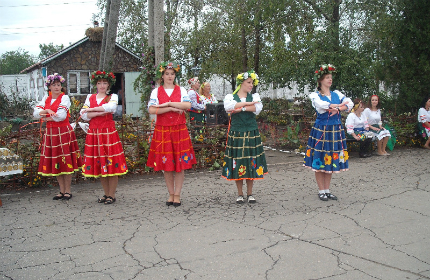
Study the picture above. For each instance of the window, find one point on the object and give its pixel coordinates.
(78, 82)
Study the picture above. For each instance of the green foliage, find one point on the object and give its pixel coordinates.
(50, 49)
(145, 83)
(14, 105)
(13, 62)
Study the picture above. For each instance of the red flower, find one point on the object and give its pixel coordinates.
(92, 77)
(330, 69)
(316, 72)
(98, 72)
(321, 69)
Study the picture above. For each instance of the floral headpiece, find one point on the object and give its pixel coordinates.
(52, 78)
(167, 65)
(193, 81)
(243, 76)
(325, 69)
(102, 75)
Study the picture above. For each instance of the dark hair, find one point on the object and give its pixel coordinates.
(357, 101)
(320, 79)
(423, 104)
(369, 103)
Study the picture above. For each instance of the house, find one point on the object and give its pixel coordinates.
(76, 62)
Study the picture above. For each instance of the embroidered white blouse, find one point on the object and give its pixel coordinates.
(229, 103)
(63, 108)
(109, 107)
(352, 121)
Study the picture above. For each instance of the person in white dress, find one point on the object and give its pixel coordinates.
(357, 128)
(373, 116)
(424, 121)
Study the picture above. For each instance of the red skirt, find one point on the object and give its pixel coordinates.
(60, 152)
(171, 149)
(104, 155)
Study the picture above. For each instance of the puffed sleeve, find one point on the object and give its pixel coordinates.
(153, 98)
(259, 105)
(111, 106)
(192, 95)
(320, 105)
(229, 103)
(184, 95)
(39, 107)
(86, 106)
(349, 123)
(422, 115)
(343, 98)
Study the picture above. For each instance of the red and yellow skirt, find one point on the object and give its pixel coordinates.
(171, 149)
(104, 155)
(60, 152)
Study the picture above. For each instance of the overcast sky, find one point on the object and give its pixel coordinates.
(27, 23)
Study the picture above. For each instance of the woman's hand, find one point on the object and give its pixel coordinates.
(356, 137)
(333, 111)
(167, 104)
(180, 111)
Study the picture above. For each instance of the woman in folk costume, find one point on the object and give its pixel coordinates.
(171, 149)
(373, 115)
(197, 106)
(244, 157)
(206, 95)
(104, 156)
(60, 155)
(326, 149)
(424, 121)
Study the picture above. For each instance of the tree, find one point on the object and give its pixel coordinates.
(47, 50)
(13, 62)
(109, 35)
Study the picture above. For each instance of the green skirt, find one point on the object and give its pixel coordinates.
(244, 156)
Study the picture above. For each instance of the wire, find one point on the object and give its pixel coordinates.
(43, 26)
(48, 31)
(47, 4)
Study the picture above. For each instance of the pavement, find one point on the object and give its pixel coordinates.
(378, 229)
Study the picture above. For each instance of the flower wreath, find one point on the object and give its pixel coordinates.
(243, 76)
(325, 69)
(52, 78)
(102, 75)
(167, 65)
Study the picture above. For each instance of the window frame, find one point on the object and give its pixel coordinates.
(78, 82)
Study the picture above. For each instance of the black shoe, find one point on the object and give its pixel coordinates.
(168, 203)
(69, 196)
(102, 200)
(331, 196)
(58, 196)
(110, 200)
(322, 196)
(176, 204)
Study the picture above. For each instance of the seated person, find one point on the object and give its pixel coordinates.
(357, 128)
(197, 105)
(373, 116)
(424, 121)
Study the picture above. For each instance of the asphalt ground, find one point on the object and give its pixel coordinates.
(378, 229)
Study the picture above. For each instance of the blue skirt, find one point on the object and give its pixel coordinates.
(326, 149)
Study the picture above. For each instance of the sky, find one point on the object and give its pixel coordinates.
(27, 23)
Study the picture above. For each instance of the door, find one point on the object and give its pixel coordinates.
(132, 98)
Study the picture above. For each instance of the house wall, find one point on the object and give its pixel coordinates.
(86, 57)
(14, 83)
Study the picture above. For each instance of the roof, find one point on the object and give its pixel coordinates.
(57, 54)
